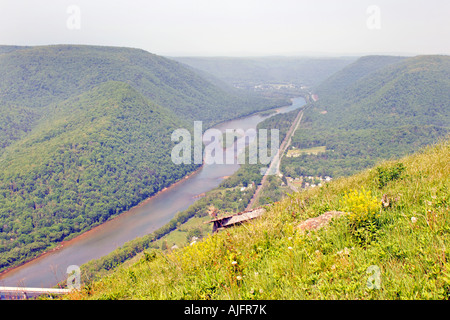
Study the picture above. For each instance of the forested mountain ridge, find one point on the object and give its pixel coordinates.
(85, 134)
(33, 77)
(103, 152)
(412, 91)
(251, 71)
(359, 69)
(389, 112)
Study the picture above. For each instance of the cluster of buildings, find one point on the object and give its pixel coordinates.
(309, 181)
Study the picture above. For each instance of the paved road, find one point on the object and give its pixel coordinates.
(274, 167)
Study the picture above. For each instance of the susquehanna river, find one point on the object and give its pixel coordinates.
(49, 269)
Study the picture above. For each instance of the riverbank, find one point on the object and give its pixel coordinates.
(277, 158)
(96, 228)
(261, 113)
(150, 217)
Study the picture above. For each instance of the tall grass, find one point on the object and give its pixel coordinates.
(270, 258)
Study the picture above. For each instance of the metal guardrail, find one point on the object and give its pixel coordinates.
(26, 293)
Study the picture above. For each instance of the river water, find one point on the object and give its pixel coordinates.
(49, 269)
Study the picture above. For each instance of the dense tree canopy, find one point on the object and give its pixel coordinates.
(34, 77)
(85, 133)
(377, 108)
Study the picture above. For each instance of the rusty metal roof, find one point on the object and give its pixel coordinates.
(240, 217)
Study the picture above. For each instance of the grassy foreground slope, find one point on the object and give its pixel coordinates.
(398, 250)
(229, 197)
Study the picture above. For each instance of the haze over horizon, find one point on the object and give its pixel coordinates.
(233, 28)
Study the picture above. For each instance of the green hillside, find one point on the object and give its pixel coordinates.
(393, 110)
(85, 134)
(414, 91)
(98, 154)
(364, 66)
(248, 72)
(33, 77)
(232, 196)
(391, 249)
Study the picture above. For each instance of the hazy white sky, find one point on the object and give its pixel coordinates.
(233, 27)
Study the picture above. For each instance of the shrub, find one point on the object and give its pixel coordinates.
(363, 214)
(389, 174)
